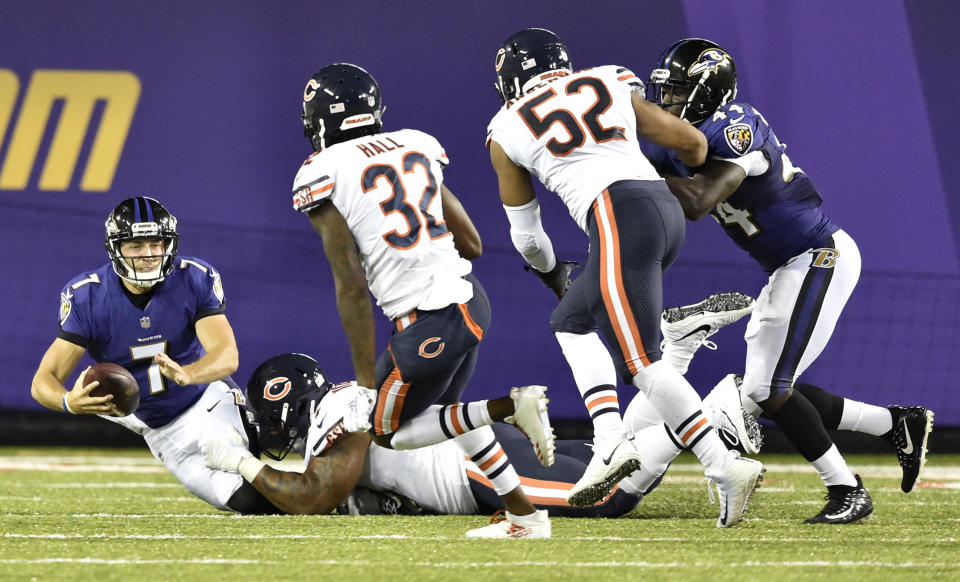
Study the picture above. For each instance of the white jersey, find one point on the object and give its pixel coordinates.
(577, 134)
(435, 476)
(387, 187)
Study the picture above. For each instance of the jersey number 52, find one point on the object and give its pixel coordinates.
(539, 125)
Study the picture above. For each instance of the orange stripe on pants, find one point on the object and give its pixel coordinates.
(614, 295)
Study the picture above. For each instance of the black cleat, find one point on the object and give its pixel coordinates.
(845, 504)
(911, 431)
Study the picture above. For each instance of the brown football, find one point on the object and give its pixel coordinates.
(115, 379)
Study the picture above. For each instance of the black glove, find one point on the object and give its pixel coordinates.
(363, 501)
(558, 278)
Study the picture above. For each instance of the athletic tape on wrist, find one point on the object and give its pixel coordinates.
(250, 467)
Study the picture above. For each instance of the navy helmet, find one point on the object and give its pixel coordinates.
(340, 102)
(281, 393)
(693, 78)
(141, 217)
(528, 58)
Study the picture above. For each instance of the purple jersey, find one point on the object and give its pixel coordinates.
(96, 314)
(773, 216)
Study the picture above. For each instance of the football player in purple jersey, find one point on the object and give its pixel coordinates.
(772, 210)
(160, 316)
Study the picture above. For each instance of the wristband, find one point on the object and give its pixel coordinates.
(66, 407)
(250, 467)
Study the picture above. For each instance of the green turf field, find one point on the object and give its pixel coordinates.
(108, 515)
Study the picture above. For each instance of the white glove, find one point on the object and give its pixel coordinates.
(356, 418)
(224, 452)
(345, 409)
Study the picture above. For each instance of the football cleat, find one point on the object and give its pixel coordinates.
(736, 482)
(613, 460)
(505, 525)
(530, 416)
(845, 504)
(911, 431)
(737, 428)
(687, 327)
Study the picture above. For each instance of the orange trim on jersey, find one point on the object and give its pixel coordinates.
(489, 462)
(324, 189)
(454, 418)
(692, 430)
(614, 245)
(471, 324)
(598, 401)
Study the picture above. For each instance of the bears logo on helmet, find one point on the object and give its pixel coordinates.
(281, 393)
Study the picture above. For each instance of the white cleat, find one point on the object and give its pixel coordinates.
(687, 327)
(738, 429)
(530, 416)
(505, 526)
(613, 461)
(735, 483)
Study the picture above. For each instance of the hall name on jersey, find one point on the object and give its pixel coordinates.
(376, 146)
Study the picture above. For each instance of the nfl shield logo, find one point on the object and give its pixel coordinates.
(145, 322)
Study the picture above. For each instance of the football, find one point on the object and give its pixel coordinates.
(115, 379)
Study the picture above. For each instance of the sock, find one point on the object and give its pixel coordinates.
(833, 469)
(484, 450)
(680, 406)
(658, 448)
(829, 406)
(439, 423)
(865, 418)
(679, 358)
(640, 414)
(801, 424)
(596, 379)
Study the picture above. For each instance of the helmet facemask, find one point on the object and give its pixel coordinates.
(141, 219)
(696, 76)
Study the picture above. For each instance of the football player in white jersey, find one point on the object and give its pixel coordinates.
(388, 222)
(577, 132)
(298, 410)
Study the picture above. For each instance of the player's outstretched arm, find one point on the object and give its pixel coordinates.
(660, 127)
(47, 388)
(221, 358)
(350, 282)
(711, 185)
(326, 482)
(465, 236)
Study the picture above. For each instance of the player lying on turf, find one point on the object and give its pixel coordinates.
(162, 318)
(297, 409)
